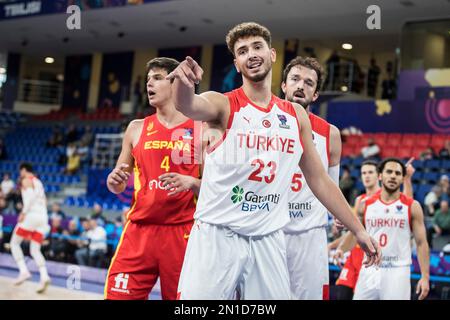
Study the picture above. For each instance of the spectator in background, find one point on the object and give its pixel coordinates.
(71, 244)
(427, 154)
(54, 245)
(71, 135)
(73, 159)
(372, 150)
(56, 211)
(389, 85)
(137, 95)
(432, 200)
(83, 152)
(95, 251)
(441, 222)
(3, 154)
(56, 139)
(444, 184)
(346, 184)
(97, 214)
(88, 136)
(372, 78)
(7, 187)
(444, 153)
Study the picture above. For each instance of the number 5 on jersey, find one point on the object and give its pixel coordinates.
(296, 184)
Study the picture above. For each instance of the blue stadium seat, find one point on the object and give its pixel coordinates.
(346, 161)
(422, 191)
(355, 173)
(417, 177)
(433, 165)
(445, 166)
(431, 177)
(358, 161)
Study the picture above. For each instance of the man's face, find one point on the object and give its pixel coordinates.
(369, 176)
(444, 206)
(72, 225)
(23, 173)
(392, 177)
(93, 223)
(159, 90)
(253, 58)
(301, 85)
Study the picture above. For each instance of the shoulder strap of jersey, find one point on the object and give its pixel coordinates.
(321, 127)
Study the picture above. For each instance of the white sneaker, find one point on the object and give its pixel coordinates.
(43, 285)
(22, 278)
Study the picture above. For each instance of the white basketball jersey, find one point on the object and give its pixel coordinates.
(390, 225)
(305, 210)
(247, 174)
(34, 199)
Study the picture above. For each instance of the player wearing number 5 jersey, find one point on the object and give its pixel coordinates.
(160, 219)
(237, 242)
(392, 218)
(306, 235)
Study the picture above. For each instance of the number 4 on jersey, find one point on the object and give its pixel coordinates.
(165, 164)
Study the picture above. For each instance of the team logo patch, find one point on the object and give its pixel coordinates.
(188, 133)
(283, 121)
(399, 208)
(266, 124)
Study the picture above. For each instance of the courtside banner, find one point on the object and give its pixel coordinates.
(30, 8)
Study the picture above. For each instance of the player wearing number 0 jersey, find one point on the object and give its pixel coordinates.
(158, 224)
(350, 271)
(237, 243)
(392, 218)
(306, 236)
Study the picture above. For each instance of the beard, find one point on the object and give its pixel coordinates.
(304, 102)
(391, 190)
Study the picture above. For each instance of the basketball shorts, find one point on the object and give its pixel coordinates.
(383, 284)
(34, 227)
(307, 260)
(222, 265)
(144, 253)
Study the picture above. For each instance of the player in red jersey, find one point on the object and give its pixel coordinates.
(350, 271)
(349, 275)
(159, 222)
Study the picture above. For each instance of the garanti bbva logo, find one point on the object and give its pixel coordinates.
(250, 201)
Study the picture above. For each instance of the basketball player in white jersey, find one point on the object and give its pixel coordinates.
(32, 226)
(306, 234)
(350, 271)
(237, 242)
(392, 217)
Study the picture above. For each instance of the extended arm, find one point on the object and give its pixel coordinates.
(423, 251)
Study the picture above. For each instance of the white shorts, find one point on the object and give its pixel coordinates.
(383, 284)
(222, 265)
(33, 227)
(307, 260)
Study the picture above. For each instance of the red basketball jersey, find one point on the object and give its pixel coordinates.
(161, 150)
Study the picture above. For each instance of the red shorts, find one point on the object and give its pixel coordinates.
(350, 272)
(30, 235)
(144, 253)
